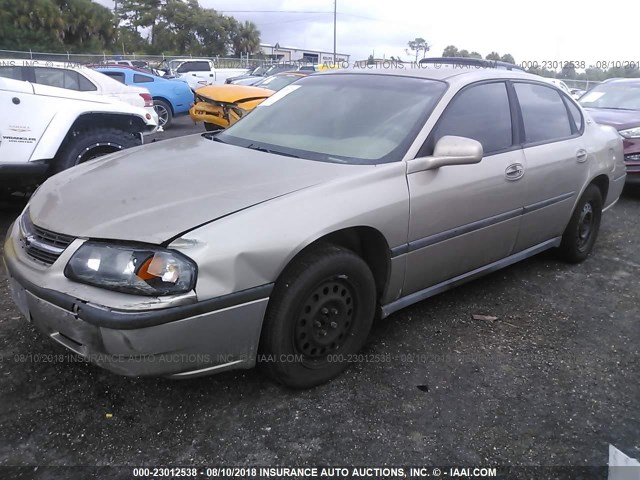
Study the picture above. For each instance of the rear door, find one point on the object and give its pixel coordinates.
(557, 159)
(200, 69)
(467, 216)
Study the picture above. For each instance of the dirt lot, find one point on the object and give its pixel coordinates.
(553, 381)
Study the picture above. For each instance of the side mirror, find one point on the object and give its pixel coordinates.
(450, 150)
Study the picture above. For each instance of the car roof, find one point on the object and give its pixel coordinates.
(622, 80)
(446, 73)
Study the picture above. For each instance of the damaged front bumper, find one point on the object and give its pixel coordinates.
(179, 341)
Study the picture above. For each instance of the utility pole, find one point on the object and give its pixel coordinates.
(335, 14)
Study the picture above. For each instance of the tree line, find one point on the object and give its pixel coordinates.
(171, 27)
(567, 70)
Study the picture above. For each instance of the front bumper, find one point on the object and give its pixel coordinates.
(180, 341)
(205, 112)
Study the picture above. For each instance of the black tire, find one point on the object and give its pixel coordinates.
(581, 233)
(210, 127)
(86, 145)
(165, 114)
(320, 313)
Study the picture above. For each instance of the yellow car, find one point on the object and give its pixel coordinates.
(220, 106)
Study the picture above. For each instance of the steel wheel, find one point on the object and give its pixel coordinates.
(585, 226)
(325, 321)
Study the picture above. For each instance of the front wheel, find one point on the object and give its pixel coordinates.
(85, 145)
(319, 316)
(581, 233)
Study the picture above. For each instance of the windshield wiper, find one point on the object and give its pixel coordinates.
(253, 146)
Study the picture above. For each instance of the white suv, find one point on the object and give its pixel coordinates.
(44, 130)
(75, 77)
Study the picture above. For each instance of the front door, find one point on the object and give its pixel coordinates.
(466, 216)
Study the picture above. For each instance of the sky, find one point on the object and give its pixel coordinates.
(542, 30)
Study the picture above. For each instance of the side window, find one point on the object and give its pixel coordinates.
(115, 75)
(480, 112)
(194, 67)
(544, 113)
(11, 72)
(142, 78)
(576, 114)
(58, 77)
(86, 85)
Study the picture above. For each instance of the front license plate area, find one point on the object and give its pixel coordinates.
(19, 296)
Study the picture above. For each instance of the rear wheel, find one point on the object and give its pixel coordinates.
(320, 314)
(86, 145)
(163, 109)
(581, 233)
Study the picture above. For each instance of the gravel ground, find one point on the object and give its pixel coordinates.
(552, 381)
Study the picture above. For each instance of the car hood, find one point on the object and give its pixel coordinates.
(234, 93)
(619, 119)
(156, 192)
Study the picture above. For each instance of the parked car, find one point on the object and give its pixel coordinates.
(131, 63)
(341, 197)
(617, 103)
(576, 93)
(44, 130)
(76, 77)
(560, 84)
(200, 72)
(171, 97)
(257, 77)
(219, 106)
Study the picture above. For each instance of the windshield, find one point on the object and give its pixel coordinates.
(342, 118)
(278, 68)
(621, 96)
(277, 82)
(258, 71)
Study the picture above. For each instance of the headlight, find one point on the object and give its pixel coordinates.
(630, 133)
(149, 271)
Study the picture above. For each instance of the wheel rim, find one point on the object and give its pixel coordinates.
(163, 114)
(325, 320)
(585, 226)
(97, 150)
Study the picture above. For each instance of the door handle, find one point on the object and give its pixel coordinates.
(514, 172)
(581, 155)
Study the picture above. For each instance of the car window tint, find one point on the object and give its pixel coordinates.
(576, 115)
(86, 85)
(11, 72)
(194, 67)
(115, 75)
(57, 77)
(544, 114)
(142, 78)
(480, 112)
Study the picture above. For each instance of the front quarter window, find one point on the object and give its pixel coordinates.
(342, 118)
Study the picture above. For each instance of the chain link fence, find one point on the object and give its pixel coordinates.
(151, 60)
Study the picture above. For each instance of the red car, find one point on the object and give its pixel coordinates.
(617, 103)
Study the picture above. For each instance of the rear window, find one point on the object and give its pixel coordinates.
(115, 75)
(544, 113)
(137, 78)
(58, 77)
(195, 67)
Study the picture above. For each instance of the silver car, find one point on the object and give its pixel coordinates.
(343, 197)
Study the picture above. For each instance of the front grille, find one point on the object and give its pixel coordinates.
(41, 244)
(632, 157)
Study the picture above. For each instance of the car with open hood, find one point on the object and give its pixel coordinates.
(220, 106)
(344, 196)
